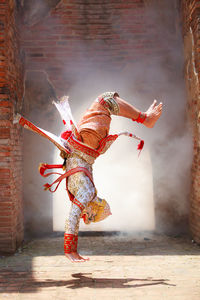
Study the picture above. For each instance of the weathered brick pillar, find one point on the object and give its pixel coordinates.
(191, 32)
(11, 89)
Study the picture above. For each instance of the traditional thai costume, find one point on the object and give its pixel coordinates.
(80, 146)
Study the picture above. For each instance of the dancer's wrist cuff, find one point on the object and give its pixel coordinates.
(141, 118)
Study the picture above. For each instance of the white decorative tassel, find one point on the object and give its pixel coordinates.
(65, 112)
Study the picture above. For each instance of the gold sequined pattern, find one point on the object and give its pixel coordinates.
(83, 190)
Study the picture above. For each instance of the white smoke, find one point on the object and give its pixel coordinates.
(127, 182)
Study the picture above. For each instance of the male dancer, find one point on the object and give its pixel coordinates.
(80, 146)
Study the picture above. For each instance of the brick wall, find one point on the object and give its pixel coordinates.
(11, 88)
(191, 33)
(80, 35)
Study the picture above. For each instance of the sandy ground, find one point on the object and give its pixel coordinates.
(146, 266)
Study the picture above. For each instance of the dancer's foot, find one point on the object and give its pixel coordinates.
(153, 114)
(75, 257)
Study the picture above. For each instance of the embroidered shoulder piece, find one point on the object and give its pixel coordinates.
(108, 101)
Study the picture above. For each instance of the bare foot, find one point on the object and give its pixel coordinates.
(153, 114)
(75, 257)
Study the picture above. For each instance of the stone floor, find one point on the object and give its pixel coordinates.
(147, 267)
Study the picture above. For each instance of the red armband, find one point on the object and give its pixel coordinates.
(139, 119)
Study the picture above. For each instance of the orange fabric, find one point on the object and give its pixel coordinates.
(94, 125)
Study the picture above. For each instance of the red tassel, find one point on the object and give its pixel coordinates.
(46, 186)
(140, 146)
(66, 134)
(42, 168)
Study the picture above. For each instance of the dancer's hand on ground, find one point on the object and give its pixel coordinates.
(75, 257)
(153, 114)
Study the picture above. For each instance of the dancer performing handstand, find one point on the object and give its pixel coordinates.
(80, 145)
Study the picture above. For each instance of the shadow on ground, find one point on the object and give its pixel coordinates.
(27, 284)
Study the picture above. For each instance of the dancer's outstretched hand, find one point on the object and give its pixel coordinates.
(153, 114)
(75, 257)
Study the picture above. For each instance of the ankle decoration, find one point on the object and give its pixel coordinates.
(70, 243)
(141, 118)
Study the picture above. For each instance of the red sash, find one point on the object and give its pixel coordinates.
(44, 167)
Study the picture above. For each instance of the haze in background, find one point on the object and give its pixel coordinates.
(143, 192)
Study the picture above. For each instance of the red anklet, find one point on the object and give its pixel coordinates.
(70, 243)
(75, 245)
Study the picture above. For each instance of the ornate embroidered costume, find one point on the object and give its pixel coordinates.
(80, 146)
(94, 124)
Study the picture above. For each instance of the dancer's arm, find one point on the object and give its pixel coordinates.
(83, 190)
(127, 110)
